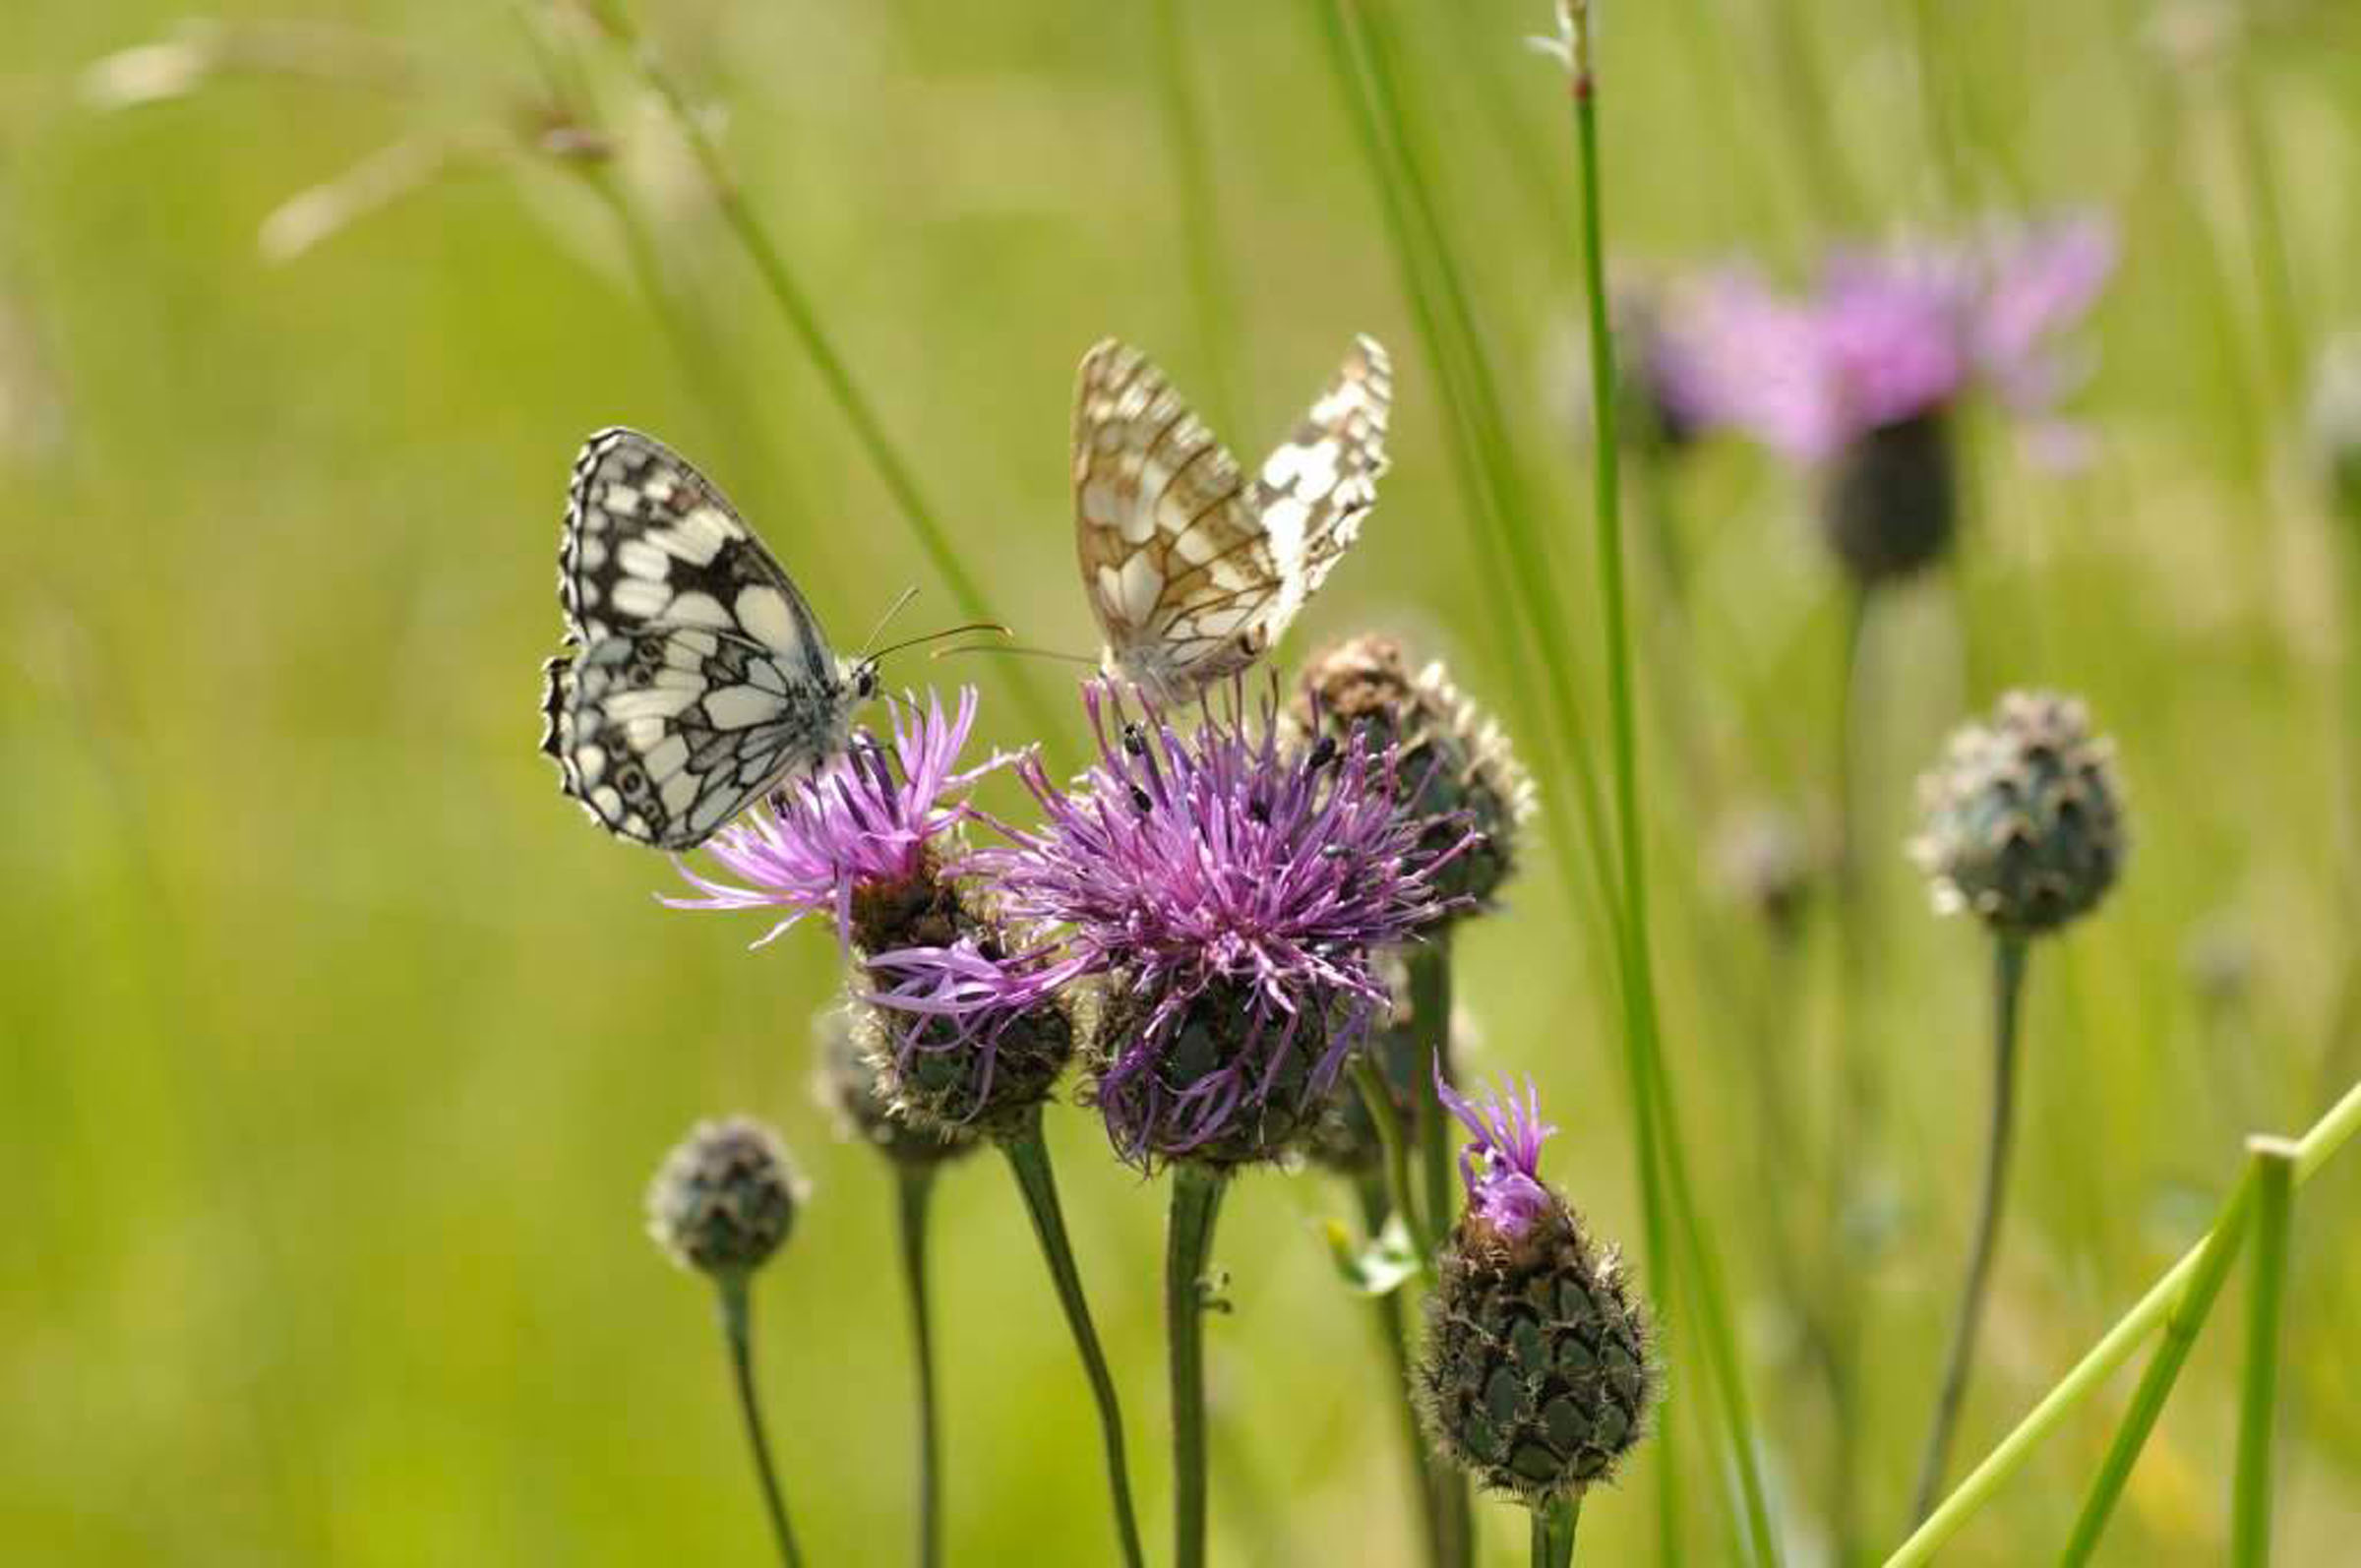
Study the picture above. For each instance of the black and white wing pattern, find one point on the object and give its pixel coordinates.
(696, 677)
(1192, 568)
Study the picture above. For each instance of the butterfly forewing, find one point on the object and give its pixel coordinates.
(1193, 570)
(697, 676)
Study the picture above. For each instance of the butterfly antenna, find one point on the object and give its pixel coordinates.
(936, 637)
(885, 621)
(1018, 649)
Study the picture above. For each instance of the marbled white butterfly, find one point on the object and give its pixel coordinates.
(1194, 570)
(696, 677)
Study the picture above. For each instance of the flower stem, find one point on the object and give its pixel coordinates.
(2181, 1328)
(916, 1187)
(1431, 1015)
(1642, 1035)
(1196, 1203)
(2250, 1499)
(735, 1327)
(1554, 1525)
(803, 319)
(2008, 986)
(1393, 1335)
(2315, 1149)
(1393, 1153)
(1029, 1158)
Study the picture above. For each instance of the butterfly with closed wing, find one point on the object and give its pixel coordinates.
(696, 677)
(1193, 570)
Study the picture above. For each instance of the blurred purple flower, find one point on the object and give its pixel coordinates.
(868, 819)
(1233, 890)
(1886, 338)
(1501, 1167)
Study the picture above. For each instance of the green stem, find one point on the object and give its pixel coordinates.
(1554, 1524)
(2008, 986)
(1393, 1152)
(736, 1328)
(1393, 1336)
(1431, 1016)
(1429, 968)
(803, 319)
(1029, 1158)
(1196, 1203)
(1200, 212)
(916, 1187)
(2328, 1135)
(1642, 1026)
(1853, 1128)
(2250, 1499)
(2181, 1328)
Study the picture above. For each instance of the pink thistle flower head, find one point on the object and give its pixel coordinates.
(1886, 338)
(1232, 891)
(1501, 1167)
(872, 818)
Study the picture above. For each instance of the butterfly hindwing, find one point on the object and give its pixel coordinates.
(698, 677)
(1193, 570)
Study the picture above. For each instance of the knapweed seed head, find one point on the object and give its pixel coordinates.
(1454, 766)
(725, 1199)
(846, 1082)
(861, 841)
(2023, 817)
(1537, 1377)
(1228, 891)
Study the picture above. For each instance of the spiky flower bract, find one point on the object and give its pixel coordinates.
(1536, 1378)
(1228, 892)
(846, 1082)
(1457, 771)
(2024, 819)
(1860, 377)
(725, 1199)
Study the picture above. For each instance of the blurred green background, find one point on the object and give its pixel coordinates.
(337, 1047)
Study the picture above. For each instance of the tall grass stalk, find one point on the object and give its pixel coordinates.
(795, 307)
(2008, 991)
(2182, 1325)
(1028, 1156)
(2316, 1148)
(1642, 1027)
(1200, 215)
(2258, 1405)
(1429, 966)
(1373, 110)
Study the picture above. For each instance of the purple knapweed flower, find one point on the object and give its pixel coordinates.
(1501, 1167)
(867, 820)
(1885, 337)
(1231, 890)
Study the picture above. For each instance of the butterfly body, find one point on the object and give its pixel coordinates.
(698, 679)
(1192, 568)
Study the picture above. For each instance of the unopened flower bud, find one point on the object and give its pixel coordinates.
(846, 1082)
(725, 1199)
(1455, 764)
(2024, 819)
